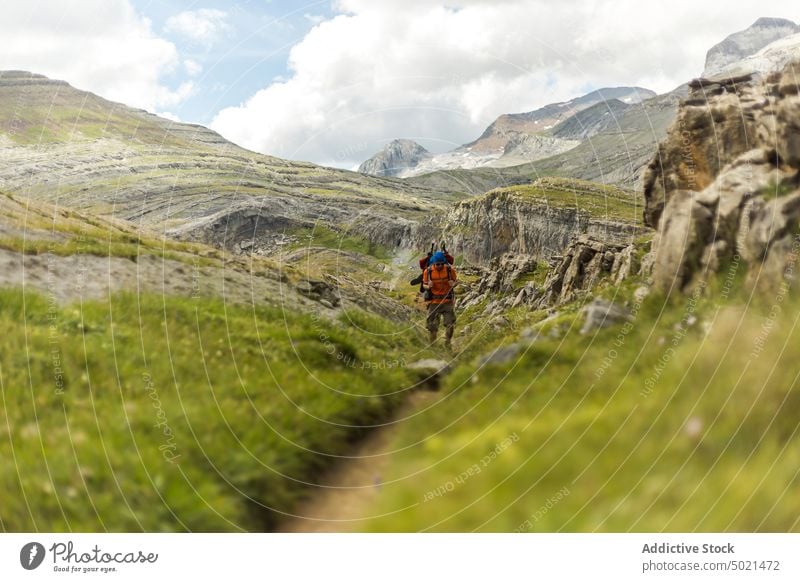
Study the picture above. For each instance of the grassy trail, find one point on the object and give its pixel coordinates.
(344, 496)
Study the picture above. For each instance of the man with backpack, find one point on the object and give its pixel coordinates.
(423, 263)
(438, 279)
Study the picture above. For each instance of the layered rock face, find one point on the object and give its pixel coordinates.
(724, 184)
(72, 148)
(585, 261)
(504, 221)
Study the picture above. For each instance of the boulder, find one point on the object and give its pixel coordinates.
(319, 291)
(585, 261)
(725, 182)
(501, 355)
(601, 313)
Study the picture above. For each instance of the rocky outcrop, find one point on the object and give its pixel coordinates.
(502, 274)
(724, 185)
(584, 263)
(514, 280)
(744, 43)
(395, 158)
(521, 221)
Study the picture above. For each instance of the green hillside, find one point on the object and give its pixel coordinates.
(684, 421)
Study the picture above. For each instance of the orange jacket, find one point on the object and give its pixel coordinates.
(439, 277)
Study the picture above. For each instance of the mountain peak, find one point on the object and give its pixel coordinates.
(396, 156)
(772, 22)
(747, 42)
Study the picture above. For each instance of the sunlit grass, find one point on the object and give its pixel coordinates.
(670, 424)
(166, 414)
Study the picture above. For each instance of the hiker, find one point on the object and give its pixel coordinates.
(439, 278)
(423, 262)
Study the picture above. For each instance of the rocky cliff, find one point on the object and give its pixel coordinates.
(538, 219)
(724, 189)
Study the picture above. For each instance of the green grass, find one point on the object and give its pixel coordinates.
(703, 437)
(251, 404)
(778, 189)
(64, 232)
(322, 236)
(537, 276)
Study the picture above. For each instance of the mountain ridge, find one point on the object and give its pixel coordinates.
(744, 43)
(504, 135)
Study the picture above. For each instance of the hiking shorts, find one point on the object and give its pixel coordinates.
(445, 310)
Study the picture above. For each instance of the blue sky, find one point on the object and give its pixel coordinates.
(249, 55)
(333, 81)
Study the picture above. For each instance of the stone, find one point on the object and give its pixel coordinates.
(429, 364)
(601, 313)
(520, 298)
(641, 293)
(499, 321)
(681, 241)
(501, 355)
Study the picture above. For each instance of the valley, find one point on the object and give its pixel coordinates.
(198, 337)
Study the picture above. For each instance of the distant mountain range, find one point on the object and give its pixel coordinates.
(511, 139)
(606, 135)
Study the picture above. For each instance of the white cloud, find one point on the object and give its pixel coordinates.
(314, 18)
(102, 46)
(205, 26)
(419, 69)
(192, 67)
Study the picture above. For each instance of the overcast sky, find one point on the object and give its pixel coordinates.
(332, 82)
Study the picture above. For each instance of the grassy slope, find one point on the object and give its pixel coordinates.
(70, 146)
(255, 402)
(256, 399)
(666, 429)
(31, 227)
